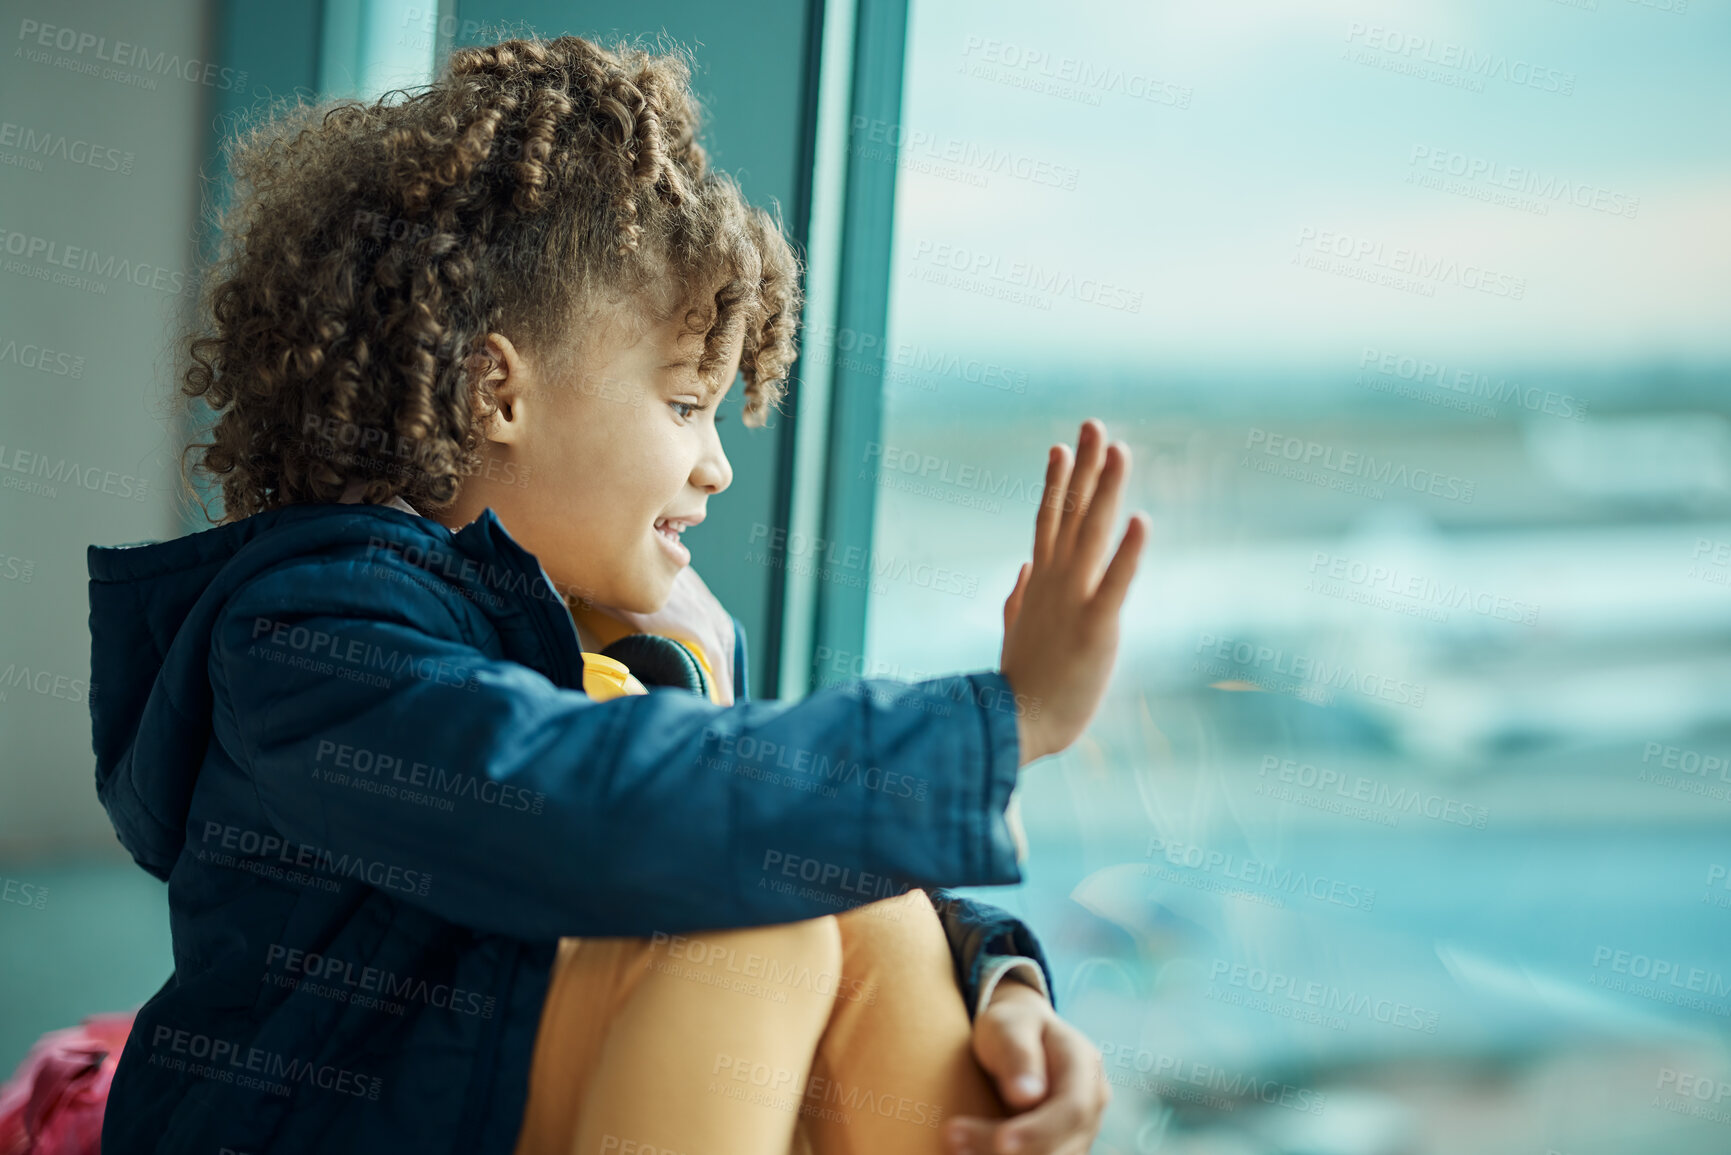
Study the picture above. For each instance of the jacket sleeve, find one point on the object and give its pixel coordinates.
(528, 809)
(981, 936)
(1027, 971)
(987, 943)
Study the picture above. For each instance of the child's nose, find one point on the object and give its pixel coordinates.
(713, 471)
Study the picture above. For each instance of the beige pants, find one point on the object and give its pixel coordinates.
(839, 1035)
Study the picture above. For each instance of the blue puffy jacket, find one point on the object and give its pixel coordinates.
(355, 745)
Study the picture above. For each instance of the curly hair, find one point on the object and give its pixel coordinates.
(536, 189)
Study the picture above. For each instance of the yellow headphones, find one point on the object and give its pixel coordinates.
(654, 660)
(632, 663)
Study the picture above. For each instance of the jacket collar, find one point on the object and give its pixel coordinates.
(692, 614)
(526, 562)
(504, 578)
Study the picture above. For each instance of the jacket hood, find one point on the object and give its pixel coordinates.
(153, 606)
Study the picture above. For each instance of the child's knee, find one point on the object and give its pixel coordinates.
(909, 913)
(813, 943)
(894, 933)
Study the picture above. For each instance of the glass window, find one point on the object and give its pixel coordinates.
(1406, 825)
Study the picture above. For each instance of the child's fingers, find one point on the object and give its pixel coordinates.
(1072, 1110)
(967, 1135)
(1013, 604)
(1115, 584)
(1095, 534)
(1090, 451)
(1009, 1044)
(1051, 503)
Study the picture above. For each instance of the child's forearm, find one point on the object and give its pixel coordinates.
(693, 813)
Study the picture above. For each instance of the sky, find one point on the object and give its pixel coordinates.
(1278, 135)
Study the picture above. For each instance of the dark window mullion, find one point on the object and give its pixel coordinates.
(856, 407)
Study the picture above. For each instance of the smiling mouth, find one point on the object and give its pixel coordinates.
(668, 530)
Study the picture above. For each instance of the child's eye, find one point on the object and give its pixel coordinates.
(691, 407)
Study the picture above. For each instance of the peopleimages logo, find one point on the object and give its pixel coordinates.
(1471, 383)
(1065, 77)
(1415, 53)
(1718, 876)
(267, 848)
(1388, 802)
(92, 51)
(34, 144)
(724, 959)
(1409, 262)
(357, 660)
(1354, 470)
(57, 255)
(1284, 879)
(1704, 773)
(1276, 988)
(965, 476)
(1661, 980)
(1684, 1086)
(1368, 582)
(46, 683)
(979, 268)
(816, 764)
(786, 1089)
(1274, 667)
(370, 987)
(1521, 179)
(852, 564)
(833, 877)
(42, 359)
(942, 155)
(17, 464)
(1233, 1087)
(23, 893)
(229, 1062)
(395, 776)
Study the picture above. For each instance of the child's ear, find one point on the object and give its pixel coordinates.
(499, 364)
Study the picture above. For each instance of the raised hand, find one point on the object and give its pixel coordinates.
(1061, 620)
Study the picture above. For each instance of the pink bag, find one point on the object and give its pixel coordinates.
(53, 1103)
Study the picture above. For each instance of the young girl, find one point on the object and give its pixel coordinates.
(429, 893)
